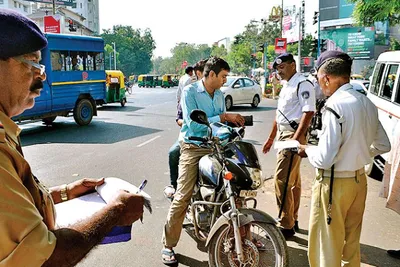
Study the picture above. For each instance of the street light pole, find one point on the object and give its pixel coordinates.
(115, 56)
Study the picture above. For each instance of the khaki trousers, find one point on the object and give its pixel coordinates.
(337, 244)
(293, 194)
(188, 173)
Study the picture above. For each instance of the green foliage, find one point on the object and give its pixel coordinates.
(366, 12)
(219, 51)
(134, 46)
(394, 44)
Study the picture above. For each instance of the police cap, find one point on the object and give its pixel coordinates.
(328, 55)
(286, 57)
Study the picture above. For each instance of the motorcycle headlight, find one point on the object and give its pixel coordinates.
(255, 175)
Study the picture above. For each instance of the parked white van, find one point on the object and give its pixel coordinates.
(384, 92)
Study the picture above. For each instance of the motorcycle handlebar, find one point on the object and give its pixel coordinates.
(195, 138)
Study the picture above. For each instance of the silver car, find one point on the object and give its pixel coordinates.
(241, 90)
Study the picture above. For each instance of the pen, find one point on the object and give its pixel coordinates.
(142, 185)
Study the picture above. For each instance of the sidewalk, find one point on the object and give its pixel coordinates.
(380, 225)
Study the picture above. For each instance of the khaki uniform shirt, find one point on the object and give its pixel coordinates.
(26, 207)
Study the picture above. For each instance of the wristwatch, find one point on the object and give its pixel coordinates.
(63, 192)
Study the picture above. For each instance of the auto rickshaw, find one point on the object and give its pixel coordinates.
(115, 87)
(148, 81)
(167, 81)
(175, 80)
(157, 81)
(141, 80)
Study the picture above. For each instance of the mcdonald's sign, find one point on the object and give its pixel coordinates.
(276, 14)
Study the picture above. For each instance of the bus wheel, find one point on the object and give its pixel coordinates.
(123, 102)
(83, 112)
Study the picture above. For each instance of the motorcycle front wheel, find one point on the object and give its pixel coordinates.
(267, 247)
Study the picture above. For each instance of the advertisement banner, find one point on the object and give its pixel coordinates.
(291, 21)
(358, 42)
(280, 45)
(335, 9)
(52, 24)
(57, 2)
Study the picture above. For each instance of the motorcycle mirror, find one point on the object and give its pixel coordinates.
(199, 116)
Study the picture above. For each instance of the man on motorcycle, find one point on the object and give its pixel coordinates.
(175, 150)
(205, 95)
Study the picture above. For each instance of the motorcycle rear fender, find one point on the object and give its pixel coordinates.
(246, 216)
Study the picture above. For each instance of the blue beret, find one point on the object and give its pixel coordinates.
(282, 58)
(327, 55)
(19, 35)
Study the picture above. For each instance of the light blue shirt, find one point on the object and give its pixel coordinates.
(195, 96)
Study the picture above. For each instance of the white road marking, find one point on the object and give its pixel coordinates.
(149, 141)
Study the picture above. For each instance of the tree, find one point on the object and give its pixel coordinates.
(394, 44)
(135, 48)
(367, 12)
(219, 51)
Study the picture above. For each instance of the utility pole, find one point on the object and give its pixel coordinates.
(110, 55)
(299, 43)
(115, 56)
(282, 19)
(54, 7)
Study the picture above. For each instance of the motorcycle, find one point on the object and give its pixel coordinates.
(236, 233)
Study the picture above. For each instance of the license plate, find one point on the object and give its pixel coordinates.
(248, 193)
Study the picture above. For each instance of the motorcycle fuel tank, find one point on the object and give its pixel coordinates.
(209, 169)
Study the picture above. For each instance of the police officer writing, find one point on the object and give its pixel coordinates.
(28, 234)
(351, 135)
(296, 106)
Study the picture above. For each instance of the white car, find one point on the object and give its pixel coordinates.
(360, 86)
(241, 90)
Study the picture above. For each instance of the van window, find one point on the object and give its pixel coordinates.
(397, 99)
(389, 82)
(377, 78)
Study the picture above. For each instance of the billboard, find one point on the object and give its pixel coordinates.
(335, 9)
(358, 42)
(52, 23)
(291, 20)
(57, 2)
(280, 45)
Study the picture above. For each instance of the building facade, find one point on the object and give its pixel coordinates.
(23, 7)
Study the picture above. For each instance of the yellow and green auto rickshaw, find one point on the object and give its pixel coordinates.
(167, 81)
(175, 79)
(141, 80)
(115, 87)
(149, 81)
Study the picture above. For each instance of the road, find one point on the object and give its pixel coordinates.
(133, 142)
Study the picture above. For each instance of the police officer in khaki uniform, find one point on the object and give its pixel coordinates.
(296, 106)
(351, 135)
(28, 235)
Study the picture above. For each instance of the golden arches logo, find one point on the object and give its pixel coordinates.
(276, 13)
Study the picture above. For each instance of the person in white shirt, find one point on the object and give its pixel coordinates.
(296, 106)
(183, 81)
(351, 135)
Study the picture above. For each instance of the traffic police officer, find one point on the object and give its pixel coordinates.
(296, 106)
(351, 135)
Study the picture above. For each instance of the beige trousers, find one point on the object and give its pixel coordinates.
(188, 173)
(293, 194)
(337, 244)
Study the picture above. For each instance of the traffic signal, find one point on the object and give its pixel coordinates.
(324, 45)
(315, 17)
(71, 26)
(261, 48)
(314, 47)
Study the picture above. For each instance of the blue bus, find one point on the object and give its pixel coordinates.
(75, 79)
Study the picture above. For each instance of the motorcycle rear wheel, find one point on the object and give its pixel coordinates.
(268, 240)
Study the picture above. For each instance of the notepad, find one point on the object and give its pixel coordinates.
(286, 144)
(77, 209)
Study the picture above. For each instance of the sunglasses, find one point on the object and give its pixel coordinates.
(33, 64)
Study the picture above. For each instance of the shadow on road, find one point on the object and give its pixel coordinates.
(119, 108)
(377, 257)
(98, 132)
(184, 260)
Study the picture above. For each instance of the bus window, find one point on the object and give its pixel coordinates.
(90, 61)
(377, 78)
(58, 60)
(389, 82)
(99, 59)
